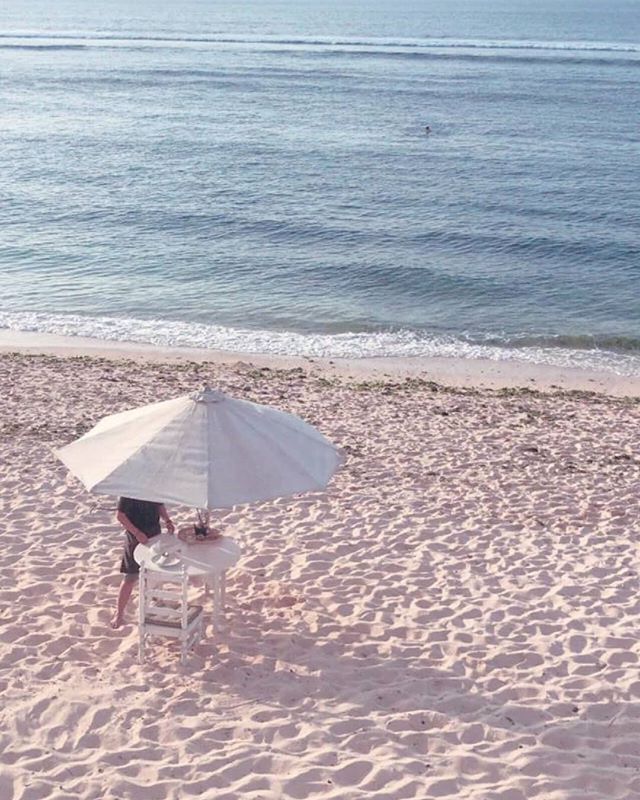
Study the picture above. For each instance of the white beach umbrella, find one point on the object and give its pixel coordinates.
(206, 450)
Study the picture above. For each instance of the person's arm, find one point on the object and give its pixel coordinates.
(126, 523)
(167, 519)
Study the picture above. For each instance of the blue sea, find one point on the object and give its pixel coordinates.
(256, 176)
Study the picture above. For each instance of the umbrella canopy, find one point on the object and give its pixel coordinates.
(206, 450)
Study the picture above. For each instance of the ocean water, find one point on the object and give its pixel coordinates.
(256, 176)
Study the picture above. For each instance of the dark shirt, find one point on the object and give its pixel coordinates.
(144, 514)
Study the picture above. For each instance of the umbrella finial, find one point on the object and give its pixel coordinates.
(207, 395)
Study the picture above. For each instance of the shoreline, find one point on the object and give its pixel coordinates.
(451, 372)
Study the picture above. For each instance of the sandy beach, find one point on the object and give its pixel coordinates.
(456, 617)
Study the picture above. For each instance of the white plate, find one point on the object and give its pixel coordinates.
(166, 561)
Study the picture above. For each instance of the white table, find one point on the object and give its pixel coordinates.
(209, 560)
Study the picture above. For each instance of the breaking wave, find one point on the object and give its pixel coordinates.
(74, 40)
(618, 355)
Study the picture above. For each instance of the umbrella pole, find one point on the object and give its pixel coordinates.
(203, 522)
(203, 517)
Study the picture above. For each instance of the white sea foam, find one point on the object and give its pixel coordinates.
(389, 344)
(37, 39)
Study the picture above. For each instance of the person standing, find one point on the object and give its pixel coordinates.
(141, 522)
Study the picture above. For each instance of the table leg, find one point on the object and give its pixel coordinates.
(215, 587)
(210, 597)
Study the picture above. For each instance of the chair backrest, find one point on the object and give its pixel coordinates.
(164, 595)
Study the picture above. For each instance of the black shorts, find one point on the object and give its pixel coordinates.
(128, 565)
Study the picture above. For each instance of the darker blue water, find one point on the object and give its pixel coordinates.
(256, 176)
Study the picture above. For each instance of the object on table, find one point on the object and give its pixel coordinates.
(166, 559)
(188, 534)
(165, 555)
(201, 527)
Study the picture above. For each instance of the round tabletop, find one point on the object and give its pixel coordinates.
(200, 558)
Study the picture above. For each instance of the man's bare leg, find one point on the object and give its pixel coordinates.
(126, 587)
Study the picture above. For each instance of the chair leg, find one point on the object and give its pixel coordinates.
(216, 602)
(183, 651)
(198, 633)
(141, 652)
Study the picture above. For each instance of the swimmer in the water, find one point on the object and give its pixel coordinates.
(427, 129)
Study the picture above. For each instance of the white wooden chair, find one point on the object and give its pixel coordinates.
(164, 610)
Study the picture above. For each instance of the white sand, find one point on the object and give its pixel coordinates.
(458, 617)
